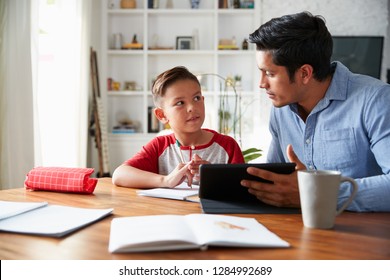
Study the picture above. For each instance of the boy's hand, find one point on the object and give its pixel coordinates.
(177, 176)
(194, 166)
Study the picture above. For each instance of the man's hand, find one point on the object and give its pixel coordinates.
(284, 190)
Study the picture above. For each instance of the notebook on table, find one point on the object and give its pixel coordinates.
(220, 190)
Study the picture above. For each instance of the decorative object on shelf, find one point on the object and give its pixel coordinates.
(124, 124)
(248, 4)
(195, 35)
(169, 4)
(156, 4)
(113, 85)
(237, 81)
(236, 4)
(117, 41)
(130, 86)
(229, 120)
(154, 124)
(111, 4)
(128, 4)
(195, 4)
(134, 45)
(184, 43)
(123, 129)
(116, 85)
(245, 44)
(227, 44)
(223, 4)
(134, 41)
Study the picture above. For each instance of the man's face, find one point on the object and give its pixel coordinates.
(275, 80)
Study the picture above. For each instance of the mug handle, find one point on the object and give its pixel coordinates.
(353, 194)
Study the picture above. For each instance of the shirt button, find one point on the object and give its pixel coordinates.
(311, 167)
(308, 141)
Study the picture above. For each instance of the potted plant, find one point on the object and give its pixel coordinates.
(229, 121)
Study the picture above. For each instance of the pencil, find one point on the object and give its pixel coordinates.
(181, 156)
(180, 153)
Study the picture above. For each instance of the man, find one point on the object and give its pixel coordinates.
(324, 116)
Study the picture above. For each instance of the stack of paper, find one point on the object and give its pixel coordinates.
(43, 219)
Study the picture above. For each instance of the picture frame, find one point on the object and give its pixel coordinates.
(184, 43)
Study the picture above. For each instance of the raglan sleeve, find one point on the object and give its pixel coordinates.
(147, 158)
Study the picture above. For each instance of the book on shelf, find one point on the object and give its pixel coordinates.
(181, 192)
(193, 231)
(154, 124)
(40, 218)
(123, 129)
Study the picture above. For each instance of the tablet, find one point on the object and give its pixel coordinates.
(220, 190)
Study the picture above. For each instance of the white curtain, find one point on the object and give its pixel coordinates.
(44, 86)
(16, 93)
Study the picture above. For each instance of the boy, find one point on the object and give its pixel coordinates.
(166, 161)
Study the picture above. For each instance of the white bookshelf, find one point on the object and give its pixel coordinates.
(141, 66)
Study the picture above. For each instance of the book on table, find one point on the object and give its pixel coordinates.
(181, 192)
(40, 218)
(178, 232)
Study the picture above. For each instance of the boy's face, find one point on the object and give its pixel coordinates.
(182, 107)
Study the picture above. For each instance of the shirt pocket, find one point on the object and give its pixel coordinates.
(338, 149)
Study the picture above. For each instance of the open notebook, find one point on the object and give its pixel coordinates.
(41, 218)
(221, 192)
(181, 192)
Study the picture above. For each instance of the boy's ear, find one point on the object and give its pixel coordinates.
(159, 113)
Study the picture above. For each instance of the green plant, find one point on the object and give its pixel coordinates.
(229, 120)
(251, 154)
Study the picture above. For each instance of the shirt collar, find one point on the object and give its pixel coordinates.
(337, 89)
(338, 86)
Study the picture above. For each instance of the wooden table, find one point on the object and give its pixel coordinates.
(355, 235)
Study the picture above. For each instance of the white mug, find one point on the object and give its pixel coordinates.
(318, 190)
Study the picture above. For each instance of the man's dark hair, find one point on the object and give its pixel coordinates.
(295, 40)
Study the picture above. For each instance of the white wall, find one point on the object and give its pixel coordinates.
(343, 17)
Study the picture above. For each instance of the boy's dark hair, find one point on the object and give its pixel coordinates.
(167, 78)
(295, 40)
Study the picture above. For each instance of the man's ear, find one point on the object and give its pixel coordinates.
(306, 73)
(159, 113)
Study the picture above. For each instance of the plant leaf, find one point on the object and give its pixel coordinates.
(250, 157)
(250, 151)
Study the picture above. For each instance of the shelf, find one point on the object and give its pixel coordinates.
(125, 93)
(125, 52)
(125, 11)
(161, 27)
(180, 52)
(248, 12)
(180, 12)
